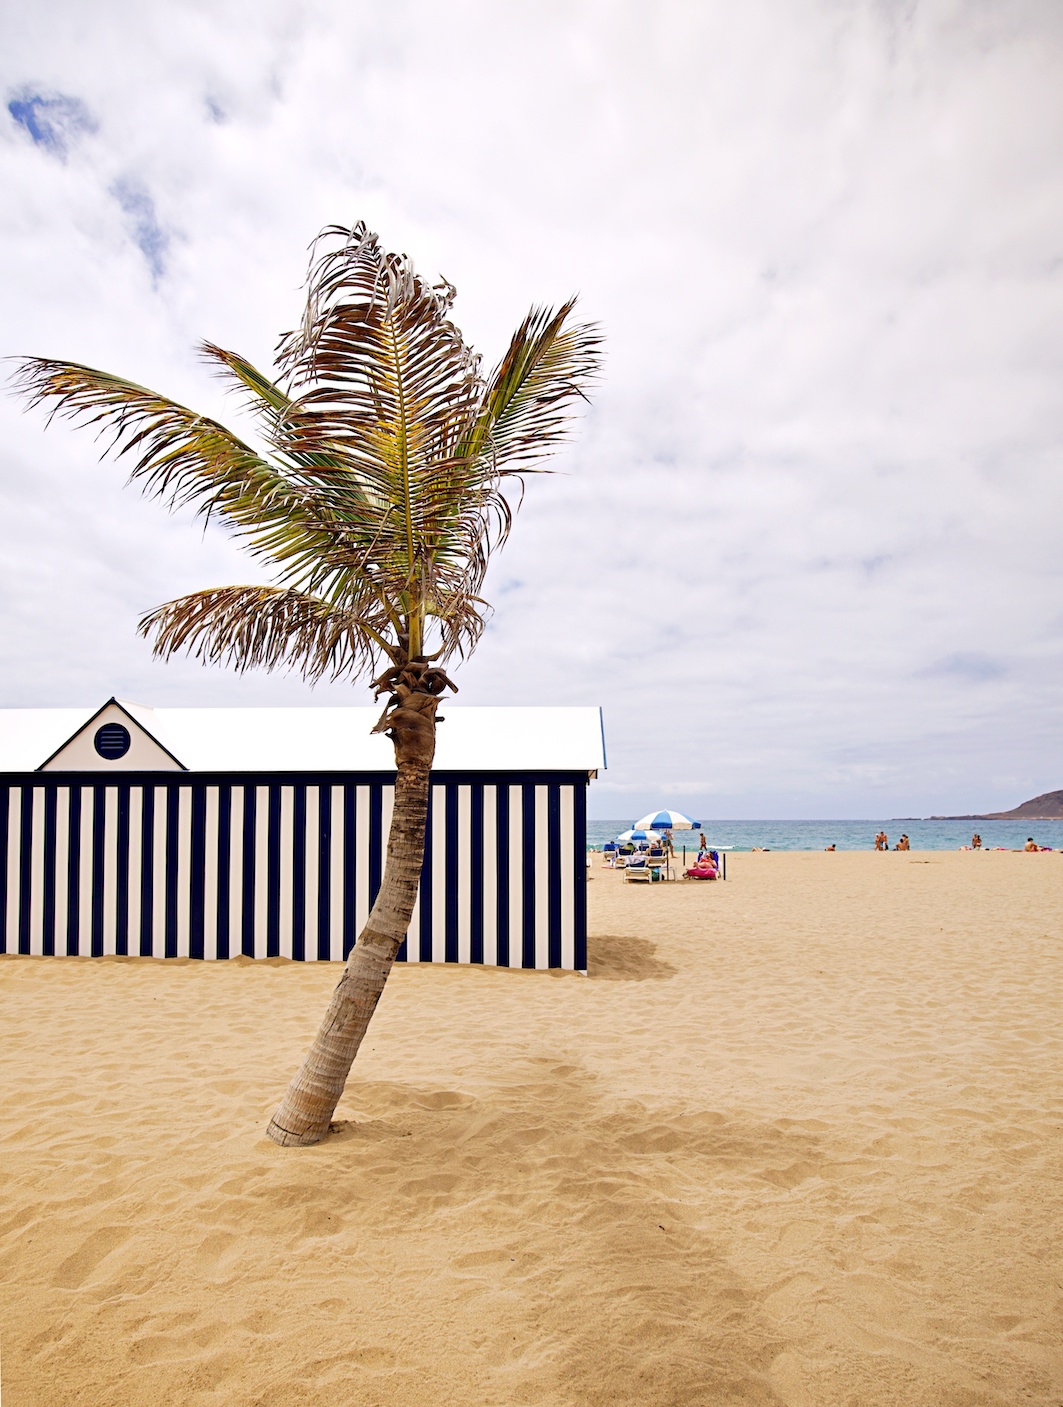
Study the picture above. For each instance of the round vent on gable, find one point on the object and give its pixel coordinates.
(112, 741)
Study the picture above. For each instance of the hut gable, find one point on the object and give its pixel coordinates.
(119, 737)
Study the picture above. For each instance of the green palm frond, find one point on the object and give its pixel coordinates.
(262, 397)
(265, 400)
(526, 411)
(294, 516)
(180, 456)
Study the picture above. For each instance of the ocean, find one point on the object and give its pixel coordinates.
(848, 835)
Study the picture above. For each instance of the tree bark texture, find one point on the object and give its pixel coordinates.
(306, 1110)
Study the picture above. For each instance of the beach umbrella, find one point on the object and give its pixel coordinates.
(667, 821)
(639, 834)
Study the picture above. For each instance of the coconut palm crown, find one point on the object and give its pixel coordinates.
(375, 496)
(380, 491)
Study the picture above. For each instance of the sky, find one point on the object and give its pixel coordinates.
(804, 548)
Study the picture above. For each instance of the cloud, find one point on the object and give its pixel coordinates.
(815, 503)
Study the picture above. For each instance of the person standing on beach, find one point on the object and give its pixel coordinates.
(882, 841)
(976, 841)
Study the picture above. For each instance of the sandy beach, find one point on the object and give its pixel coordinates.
(796, 1139)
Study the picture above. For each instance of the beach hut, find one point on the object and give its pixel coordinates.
(214, 832)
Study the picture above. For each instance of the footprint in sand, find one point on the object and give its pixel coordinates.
(440, 1183)
(793, 1176)
(442, 1099)
(319, 1222)
(95, 1249)
(216, 1253)
(478, 1260)
(161, 1348)
(792, 1297)
(789, 1376)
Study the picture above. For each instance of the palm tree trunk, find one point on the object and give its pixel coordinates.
(307, 1108)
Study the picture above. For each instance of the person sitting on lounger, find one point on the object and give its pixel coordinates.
(702, 870)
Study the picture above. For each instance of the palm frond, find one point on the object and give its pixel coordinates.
(187, 459)
(180, 456)
(262, 396)
(376, 355)
(249, 627)
(382, 381)
(264, 399)
(527, 405)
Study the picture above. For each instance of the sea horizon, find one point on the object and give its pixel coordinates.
(848, 834)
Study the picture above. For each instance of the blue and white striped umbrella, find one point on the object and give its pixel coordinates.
(667, 821)
(637, 833)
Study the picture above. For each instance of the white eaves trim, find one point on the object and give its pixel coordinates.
(303, 739)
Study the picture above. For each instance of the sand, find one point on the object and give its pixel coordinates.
(796, 1139)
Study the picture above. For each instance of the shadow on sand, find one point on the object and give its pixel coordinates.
(611, 958)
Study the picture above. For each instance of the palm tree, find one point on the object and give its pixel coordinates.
(375, 499)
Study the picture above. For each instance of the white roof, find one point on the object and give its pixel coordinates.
(309, 739)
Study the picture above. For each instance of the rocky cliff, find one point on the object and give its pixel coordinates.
(1047, 807)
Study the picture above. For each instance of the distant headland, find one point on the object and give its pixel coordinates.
(1047, 807)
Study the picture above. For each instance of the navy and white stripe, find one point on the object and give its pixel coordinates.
(273, 866)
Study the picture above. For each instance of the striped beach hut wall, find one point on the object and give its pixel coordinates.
(213, 833)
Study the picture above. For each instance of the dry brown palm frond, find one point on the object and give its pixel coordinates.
(247, 627)
(381, 380)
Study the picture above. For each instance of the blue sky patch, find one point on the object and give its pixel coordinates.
(52, 122)
(973, 667)
(148, 235)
